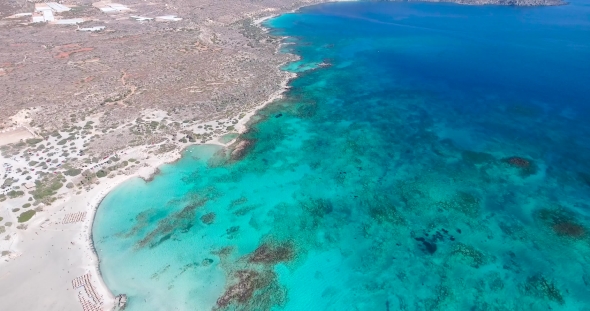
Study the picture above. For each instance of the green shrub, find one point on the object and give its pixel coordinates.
(26, 205)
(15, 194)
(47, 187)
(73, 172)
(8, 182)
(26, 216)
(33, 141)
(101, 174)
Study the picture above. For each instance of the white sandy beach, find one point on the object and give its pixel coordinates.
(49, 255)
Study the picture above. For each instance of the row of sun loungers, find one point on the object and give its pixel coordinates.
(90, 289)
(78, 282)
(87, 305)
(74, 217)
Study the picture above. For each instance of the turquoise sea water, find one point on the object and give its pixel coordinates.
(441, 162)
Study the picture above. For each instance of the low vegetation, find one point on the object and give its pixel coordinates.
(72, 172)
(33, 141)
(47, 187)
(15, 194)
(26, 216)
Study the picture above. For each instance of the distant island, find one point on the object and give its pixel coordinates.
(504, 2)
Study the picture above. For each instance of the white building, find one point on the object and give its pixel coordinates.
(109, 7)
(40, 7)
(37, 17)
(46, 10)
(48, 15)
(168, 18)
(141, 18)
(58, 8)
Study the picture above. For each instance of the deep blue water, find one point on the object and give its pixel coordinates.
(441, 162)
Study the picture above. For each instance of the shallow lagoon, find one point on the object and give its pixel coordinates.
(441, 162)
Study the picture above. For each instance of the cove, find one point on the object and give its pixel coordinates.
(438, 160)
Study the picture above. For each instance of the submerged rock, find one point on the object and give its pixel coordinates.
(463, 202)
(242, 291)
(429, 247)
(254, 290)
(569, 229)
(518, 162)
(232, 232)
(208, 218)
(539, 286)
(223, 252)
(525, 166)
(382, 209)
(142, 221)
(317, 207)
(431, 239)
(241, 149)
(305, 110)
(561, 222)
(468, 255)
(180, 220)
(272, 254)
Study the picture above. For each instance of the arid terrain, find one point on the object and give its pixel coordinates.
(75, 94)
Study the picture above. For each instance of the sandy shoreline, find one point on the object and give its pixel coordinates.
(147, 173)
(58, 252)
(50, 254)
